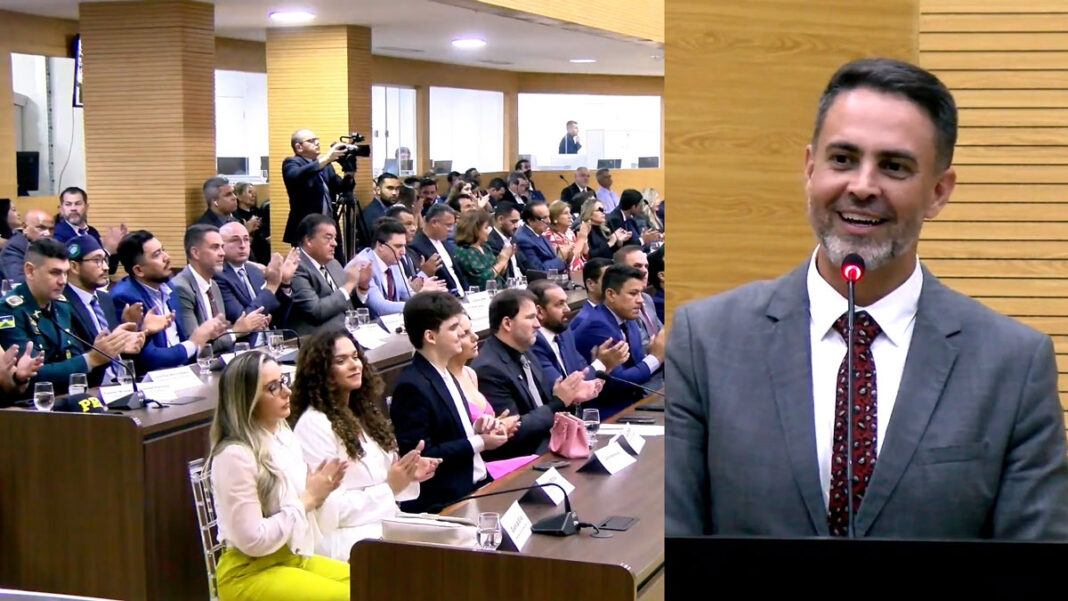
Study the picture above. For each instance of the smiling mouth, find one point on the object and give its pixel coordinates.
(860, 220)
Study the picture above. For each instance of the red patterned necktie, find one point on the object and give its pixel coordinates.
(864, 423)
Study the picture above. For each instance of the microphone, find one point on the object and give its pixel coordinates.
(557, 525)
(607, 377)
(852, 271)
(562, 178)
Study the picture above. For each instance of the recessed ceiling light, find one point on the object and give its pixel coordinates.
(468, 43)
(584, 60)
(290, 17)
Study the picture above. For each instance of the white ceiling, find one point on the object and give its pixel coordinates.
(423, 29)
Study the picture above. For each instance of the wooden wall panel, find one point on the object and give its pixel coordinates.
(240, 55)
(637, 19)
(742, 82)
(1001, 238)
(149, 113)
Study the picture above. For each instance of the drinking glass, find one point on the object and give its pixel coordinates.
(472, 290)
(79, 383)
(241, 347)
(124, 375)
(275, 342)
(592, 419)
(511, 283)
(491, 287)
(363, 316)
(43, 396)
(489, 531)
(554, 276)
(204, 357)
(351, 321)
(5, 286)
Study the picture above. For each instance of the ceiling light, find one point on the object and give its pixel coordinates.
(290, 17)
(583, 60)
(468, 43)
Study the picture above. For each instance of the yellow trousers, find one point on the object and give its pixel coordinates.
(281, 576)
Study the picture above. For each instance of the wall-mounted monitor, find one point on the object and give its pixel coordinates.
(609, 163)
(648, 162)
(231, 165)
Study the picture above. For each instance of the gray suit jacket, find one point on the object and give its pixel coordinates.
(975, 447)
(650, 310)
(314, 304)
(191, 310)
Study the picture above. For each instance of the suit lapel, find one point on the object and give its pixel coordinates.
(431, 374)
(81, 315)
(217, 299)
(789, 367)
(928, 365)
(239, 286)
(313, 268)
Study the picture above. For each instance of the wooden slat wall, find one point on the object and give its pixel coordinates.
(1002, 237)
(318, 78)
(150, 113)
(637, 19)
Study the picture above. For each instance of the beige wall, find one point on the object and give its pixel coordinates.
(640, 19)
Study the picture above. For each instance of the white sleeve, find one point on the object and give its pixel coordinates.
(241, 519)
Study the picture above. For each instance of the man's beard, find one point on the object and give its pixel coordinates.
(875, 252)
(76, 220)
(159, 279)
(557, 328)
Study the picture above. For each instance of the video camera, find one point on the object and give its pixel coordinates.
(355, 147)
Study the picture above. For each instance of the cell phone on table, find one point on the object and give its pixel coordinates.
(544, 466)
(635, 419)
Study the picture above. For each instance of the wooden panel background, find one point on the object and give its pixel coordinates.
(150, 114)
(1001, 238)
(635, 19)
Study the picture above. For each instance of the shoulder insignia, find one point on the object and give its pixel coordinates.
(13, 300)
(7, 322)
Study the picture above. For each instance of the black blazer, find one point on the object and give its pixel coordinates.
(84, 326)
(306, 186)
(422, 246)
(496, 244)
(616, 220)
(599, 244)
(422, 409)
(500, 379)
(568, 195)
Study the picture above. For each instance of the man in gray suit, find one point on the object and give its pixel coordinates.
(322, 289)
(199, 297)
(960, 433)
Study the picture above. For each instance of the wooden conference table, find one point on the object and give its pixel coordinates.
(100, 504)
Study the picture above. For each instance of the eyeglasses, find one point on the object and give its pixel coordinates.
(599, 210)
(275, 386)
(100, 261)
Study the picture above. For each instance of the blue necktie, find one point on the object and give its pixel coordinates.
(248, 285)
(101, 321)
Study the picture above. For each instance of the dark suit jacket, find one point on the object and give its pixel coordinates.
(209, 218)
(582, 315)
(237, 300)
(600, 325)
(306, 186)
(422, 409)
(82, 324)
(599, 244)
(191, 310)
(496, 243)
(975, 447)
(568, 145)
(537, 251)
(314, 304)
(550, 366)
(617, 220)
(422, 246)
(64, 232)
(370, 214)
(156, 354)
(500, 379)
(568, 194)
(13, 257)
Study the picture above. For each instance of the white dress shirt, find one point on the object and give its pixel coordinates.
(896, 315)
(171, 333)
(550, 336)
(446, 260)
(254, 529)
(507, 242)
(203, 286)
(477, 444)
(356, 509)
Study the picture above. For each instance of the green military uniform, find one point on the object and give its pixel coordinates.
(22, 321)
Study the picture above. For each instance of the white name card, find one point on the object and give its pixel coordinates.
(109, 394)
(631, 442)
(370, 336)
(178, 378)
(610, 458)
(516, 525)
(478, 298)
(393, 322)
(551, 476)
(158, 391)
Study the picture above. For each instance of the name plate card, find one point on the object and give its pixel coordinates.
(516, 526)
(370, 336)
(549, 493)
(178, 378)
(610, 458)
(158, 391)
(478, 308)
(631, 442)
(393, 322)
(110, 394)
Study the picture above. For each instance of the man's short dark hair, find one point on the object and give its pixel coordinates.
(579, 199)
(514, 177)
(617, 275)
(497, 184)
(131, 249)
(602, 171)
(528, 211)
(454, 202)
(427, 311)
(506, 304)
(504, 209)
(412, 181)
(45, 248)
(386, 228)
(439, 210)
(384, 176)
(519, 163)
(629, 199)
(307, 226)
(540, 290)
(194, 235)
(451, 177)
(620, 256)
(656, 267)
(593, 268)
(570, 123)
(428, 181)
(211, 187)
(397, 210)
(73, 190)
(896, 77)
(467, 174)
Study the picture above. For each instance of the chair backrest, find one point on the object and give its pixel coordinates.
(200, 480)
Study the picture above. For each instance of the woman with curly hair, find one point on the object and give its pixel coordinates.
(266, 497)
(336, 417)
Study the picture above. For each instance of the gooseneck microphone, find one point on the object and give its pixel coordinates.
(852, 272)
(607, 377)
(565, 524)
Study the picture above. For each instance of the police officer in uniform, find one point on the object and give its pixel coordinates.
(37, 312)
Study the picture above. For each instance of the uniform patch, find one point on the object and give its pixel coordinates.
(14, 300)
(7, 322)
(62, 298)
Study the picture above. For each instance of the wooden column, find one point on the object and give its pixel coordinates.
(318, 78)
(149, 94)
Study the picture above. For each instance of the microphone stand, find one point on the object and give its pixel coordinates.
(557, 525)
(603, 375)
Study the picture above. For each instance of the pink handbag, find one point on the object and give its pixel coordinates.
(568, 437)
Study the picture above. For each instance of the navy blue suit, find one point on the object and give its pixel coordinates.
(84, 326)
(537, 251)
(156, 354)
(422, 246)
(599, 326)
(64, 232)
(582, 315)
(237, 300)
(616, 219)
(550, 365)
(374, 210)
(307, 187)
(496, 243)
(568, 145)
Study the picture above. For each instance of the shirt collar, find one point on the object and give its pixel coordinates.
(312, 259)
(236, 266)
(202, 284)
(85, 296)
(507, 240)
(893, 312)
(381, 264)
(549, 334)
(78, 228)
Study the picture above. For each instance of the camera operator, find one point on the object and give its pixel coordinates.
(312, 183)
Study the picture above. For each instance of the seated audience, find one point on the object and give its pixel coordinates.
(419, 277)
(265, 495)
(626, 217)
(648, 322)
(591, 280)
(13, 257)
(462, 203)
(221, 200)
(570, 247)
(429, 408)
(505, 223)
(657, 280)
(429, 245)
(11, 224)
(336, 416)
(497, 191)
(653, 209)
(511, 378)
(602, 241)
(580, 185)
(16, 371)
(387, 190)
(245, 288)
(322, 289)
(605, 193)
(388, 289)
(74, 221)
(474, 259)
(427, 195)
(536, 250)
(523, 166)
(255, 219)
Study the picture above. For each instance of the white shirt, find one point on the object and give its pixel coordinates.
(356, 509)
(337, 287)
(446, 260)
(507, 243)
(252, 528)
(649, 360)
(171, 332)
(896, 315)
(203, 286)
(477, 444)
(550, 336)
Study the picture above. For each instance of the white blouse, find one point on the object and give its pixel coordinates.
(244, 523)
(355, 510)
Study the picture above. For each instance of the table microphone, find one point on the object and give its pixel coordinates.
(852, 272)
(565, 524)
(609, 378)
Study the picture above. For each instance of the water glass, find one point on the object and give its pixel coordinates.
(511, 283)
(553, 276)
(79, 383)
(472, 290)
(204, 358)
(351, 321)
(363, 316)
(125, 375)
(241, 347)
(6, 286)
(491, 287)
(43, 396)
(489, 531)
(275, 343)
(592, 419)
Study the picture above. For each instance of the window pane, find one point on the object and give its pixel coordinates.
(393, 122)
(467, 128)
(241, 124)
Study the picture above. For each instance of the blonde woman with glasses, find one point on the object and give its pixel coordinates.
(265, 495)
